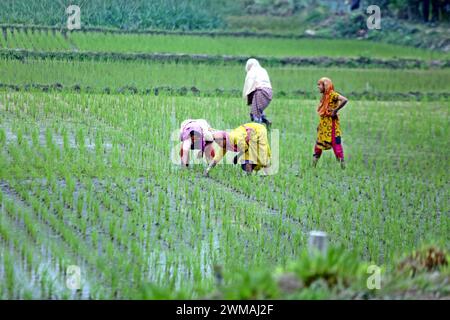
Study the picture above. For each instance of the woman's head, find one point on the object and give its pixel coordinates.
(248, 167)
(325, 85)
(251, 63)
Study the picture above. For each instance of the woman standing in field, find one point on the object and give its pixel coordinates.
(196, 134)
(249, 140)
(329, 129)
(257, 91)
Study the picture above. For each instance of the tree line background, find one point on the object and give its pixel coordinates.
(204, 14)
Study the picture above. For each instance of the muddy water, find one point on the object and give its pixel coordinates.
(46, 279)
(161, 260)
(57, 139)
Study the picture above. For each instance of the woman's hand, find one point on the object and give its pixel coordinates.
(206, 172)
(343, 101)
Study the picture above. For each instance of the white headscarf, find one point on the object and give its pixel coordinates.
(257, 77)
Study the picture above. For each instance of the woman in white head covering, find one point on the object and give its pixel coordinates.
(196, 134)
(257, 91)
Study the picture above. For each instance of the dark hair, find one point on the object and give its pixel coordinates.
(193, 133)
(244, 166)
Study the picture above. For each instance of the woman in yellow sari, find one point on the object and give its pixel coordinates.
(329, 129)
(249, 140)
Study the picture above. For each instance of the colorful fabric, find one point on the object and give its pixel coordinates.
(260, 101)
(325, 137)
(336, 143)
(329, 128)
(198, 126)
(258, 151)
(251, 138)
(327, 123)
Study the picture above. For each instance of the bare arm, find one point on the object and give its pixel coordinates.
(185, 147)
(209, 152)
(342, 102)
(220, 154)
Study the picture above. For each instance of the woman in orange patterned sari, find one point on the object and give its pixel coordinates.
(329, 129)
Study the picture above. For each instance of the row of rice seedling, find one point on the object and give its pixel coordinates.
(403, 174)
(65, 210)
(242, 46)
(219, 45)
(68, 207)
(130, 213)
(36, 40)
(414, 165)
(53, 200)
(38, 231)
(206, 78)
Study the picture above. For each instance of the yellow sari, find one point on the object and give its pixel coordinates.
(251, 138)
(326, 122)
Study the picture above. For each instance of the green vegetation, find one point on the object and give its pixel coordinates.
(341, 275)
(222, 45)
(244, 46)
(89, 174)
(414, 23)
(167, 14)
(146, 75)
(102, 183)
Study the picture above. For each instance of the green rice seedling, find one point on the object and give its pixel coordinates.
(240, 46)
(383, 82)
(233, 221)
(8, 267)
(2, 137)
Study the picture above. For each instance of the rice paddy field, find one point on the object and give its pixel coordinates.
(53, 40)
(87, 177)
